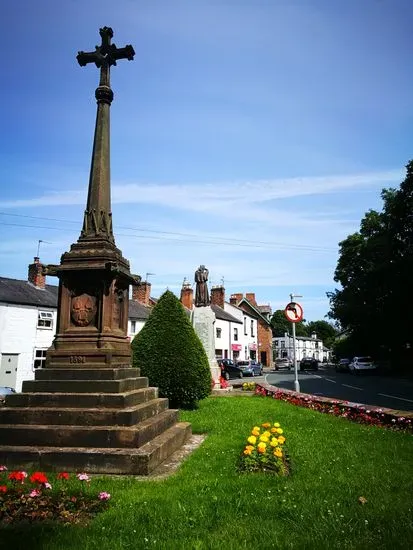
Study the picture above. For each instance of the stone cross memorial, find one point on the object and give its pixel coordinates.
(89, 409)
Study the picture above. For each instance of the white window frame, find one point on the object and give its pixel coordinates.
(235, 334)
(45, 320)
(218, 332)
(39, 358)
(133, 327)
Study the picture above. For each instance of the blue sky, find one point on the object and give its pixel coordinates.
(250, 136)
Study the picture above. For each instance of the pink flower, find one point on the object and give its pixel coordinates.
(34, 493)
(47, 486)
(3, 468)
(104, 495)
(83, 477)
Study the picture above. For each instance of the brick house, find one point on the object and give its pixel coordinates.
(262, 313)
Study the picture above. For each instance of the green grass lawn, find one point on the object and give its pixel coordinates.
(207, 504)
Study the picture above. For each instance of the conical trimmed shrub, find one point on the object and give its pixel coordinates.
(170, 354)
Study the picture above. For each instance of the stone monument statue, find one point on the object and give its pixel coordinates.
(201, 292)
(203, 319)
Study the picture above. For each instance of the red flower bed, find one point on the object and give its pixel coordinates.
(35, 499)
(357, 413)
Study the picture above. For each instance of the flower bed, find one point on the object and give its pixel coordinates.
(29, 498)
(265, 451)
(357, 413)
(248, 386)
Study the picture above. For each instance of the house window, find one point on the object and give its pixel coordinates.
(39, 358)
(245, 326)
(45, 319)
(252, 327)
(219, 332)
(235, 334)
(133, 327)
(283, 344)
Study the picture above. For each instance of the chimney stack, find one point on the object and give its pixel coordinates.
(141, 293)
(218, 295)
(36, 276)
(236, 298)
(187, 295)
(250, 296)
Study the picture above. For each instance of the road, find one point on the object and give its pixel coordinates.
(368, 389)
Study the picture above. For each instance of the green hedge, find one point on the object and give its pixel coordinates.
(170, 354)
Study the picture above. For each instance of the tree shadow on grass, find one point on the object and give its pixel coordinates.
(25, 536)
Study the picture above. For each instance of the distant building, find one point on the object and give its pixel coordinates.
(305, 347)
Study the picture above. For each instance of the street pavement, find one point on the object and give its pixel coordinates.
(369, 389)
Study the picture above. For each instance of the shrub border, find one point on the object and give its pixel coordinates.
(356, 412)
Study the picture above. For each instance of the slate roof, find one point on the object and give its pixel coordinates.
(138, 310)
(14, 291)
(224, 315)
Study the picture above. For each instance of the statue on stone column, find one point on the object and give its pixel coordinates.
(201, 292)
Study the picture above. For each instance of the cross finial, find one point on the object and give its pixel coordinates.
(105, 55)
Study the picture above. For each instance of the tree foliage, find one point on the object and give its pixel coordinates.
(374, 271)
(170, 354)
(280, 325)
(324, 330)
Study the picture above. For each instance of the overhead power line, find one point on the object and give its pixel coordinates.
(168, 235)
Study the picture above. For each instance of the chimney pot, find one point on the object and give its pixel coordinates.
(35, 275)
(141, 293)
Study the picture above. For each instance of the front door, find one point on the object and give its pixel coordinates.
(264, 358)
(8, 369)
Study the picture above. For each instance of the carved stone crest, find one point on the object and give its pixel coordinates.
(83, 310)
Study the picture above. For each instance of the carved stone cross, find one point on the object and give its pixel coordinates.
(105, 55)
(97, 221)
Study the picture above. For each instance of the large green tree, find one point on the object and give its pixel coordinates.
(170, 354)
(374, 271)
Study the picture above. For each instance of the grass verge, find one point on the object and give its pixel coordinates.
(208, 504)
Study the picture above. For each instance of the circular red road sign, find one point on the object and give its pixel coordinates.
(294, 312)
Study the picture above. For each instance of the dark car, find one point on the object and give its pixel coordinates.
(343, 365)
(308, 363)
(257, 368)
(229, 369)
(283, 363)
(5, 390)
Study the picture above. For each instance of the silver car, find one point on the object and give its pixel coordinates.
(362, 364)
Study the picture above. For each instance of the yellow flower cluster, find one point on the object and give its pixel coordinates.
(265, 440)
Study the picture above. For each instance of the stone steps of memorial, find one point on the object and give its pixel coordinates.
(71, 373)
(83, 417)
(90, 436)
(75, 400)
(85, 386)
(132, 461)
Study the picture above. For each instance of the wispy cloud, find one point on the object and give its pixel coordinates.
(208, 196)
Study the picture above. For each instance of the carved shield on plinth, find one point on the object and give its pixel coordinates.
(83, 310)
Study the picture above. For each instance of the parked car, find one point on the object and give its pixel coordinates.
(283, 363)
(246, 367)
(362, 364)
(342, 365)
(257, 368)
(230, 369)
(5, 390)
(308, 363)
